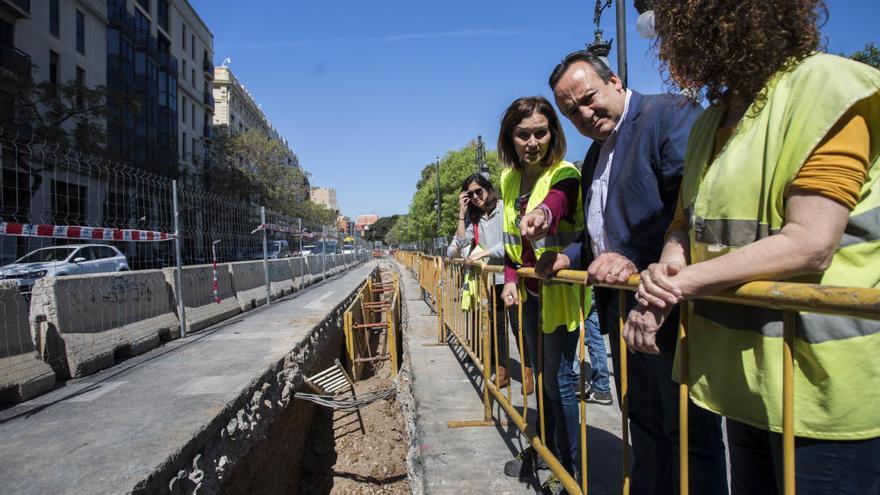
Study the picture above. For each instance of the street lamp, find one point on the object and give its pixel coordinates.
(602, 48)
(482, 166)
(438, 197)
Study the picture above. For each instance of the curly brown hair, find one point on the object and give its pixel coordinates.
(733, 47)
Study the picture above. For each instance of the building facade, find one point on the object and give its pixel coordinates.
(154, 56)
(363, 223)
(324, 196)
(236, 111)
(160, 54)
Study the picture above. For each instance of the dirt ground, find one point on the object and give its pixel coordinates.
(341, 459)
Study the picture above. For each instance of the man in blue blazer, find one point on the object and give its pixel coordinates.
(630, 179)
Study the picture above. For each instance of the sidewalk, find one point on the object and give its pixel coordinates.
(446, 387)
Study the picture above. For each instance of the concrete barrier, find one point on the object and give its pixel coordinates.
(298, 271)
(198, 295)
(249, 281)
(314, 263)
(22, 373)
(280, 278)
(87, 321)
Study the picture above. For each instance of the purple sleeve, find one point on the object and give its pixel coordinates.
(509, 270)
(562, 195)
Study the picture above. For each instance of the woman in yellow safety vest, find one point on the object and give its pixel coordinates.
(780, 183)
(542, 215)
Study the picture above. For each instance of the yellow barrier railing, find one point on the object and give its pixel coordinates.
(441, 279)
(376, 308)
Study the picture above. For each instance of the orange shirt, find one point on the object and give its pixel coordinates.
(837, 169)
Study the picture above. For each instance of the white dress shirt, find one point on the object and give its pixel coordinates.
(599, 189)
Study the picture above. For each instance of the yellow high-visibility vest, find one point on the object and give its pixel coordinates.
(560, 302)
(735, 352)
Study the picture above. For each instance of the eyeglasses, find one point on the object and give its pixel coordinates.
(475, 192)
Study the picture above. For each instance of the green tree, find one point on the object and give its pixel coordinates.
(252, 167)
(380, 229)
(421, 221)
(870, 55)
(68, 114)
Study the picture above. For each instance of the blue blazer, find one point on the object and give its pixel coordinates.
(644, 178)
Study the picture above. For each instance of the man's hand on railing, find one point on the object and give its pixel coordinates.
(551, 262)
(610, 268)
(510, 294)
(641, 327)
(657, 287)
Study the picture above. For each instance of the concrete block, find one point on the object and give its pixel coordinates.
(249, 280)
(23, 374)
(198, 295)
(298, 272)
(315, 269)
(280, 278)
(88, 321)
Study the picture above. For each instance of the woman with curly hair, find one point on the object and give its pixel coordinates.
(781, 182)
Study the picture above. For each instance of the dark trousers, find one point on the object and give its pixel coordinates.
(561, 414)
(821, 466)
(653, 415)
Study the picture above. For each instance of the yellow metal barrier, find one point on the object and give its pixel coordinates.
(376, 307)
(440, 280)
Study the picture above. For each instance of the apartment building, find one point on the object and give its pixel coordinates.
(160, 52)
(237, 111)
(54, 41)
(324, 196)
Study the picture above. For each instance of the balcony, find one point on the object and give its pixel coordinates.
(15, 66)
(19, 8)
(208, 99)
(208, 132)
(208, 67)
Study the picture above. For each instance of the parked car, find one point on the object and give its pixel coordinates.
(73, 259)
(307, 250)
(278, 249)
(347, 249)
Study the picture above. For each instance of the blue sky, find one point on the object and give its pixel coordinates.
(367, 93)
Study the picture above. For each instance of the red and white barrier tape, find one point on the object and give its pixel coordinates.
(216, 287)
(84, 233)
(276, 228)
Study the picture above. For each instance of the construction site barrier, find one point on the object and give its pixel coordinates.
(203, 307)
(25, 375)
(373, 321)
(440, 279)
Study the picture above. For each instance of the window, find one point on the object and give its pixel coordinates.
(162, 14)
(54, 18)
(145, 4)
(192, 78)
(183, 143)
(6, 33)
(183, 109)
(80, 85)
(183, 69)
(80, 32)
(68, 203)
(193, 148)
(53, 71)
(192, 46)
(183, 36)
(192, 115)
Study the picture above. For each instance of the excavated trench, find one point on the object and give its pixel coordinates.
(311, 449)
